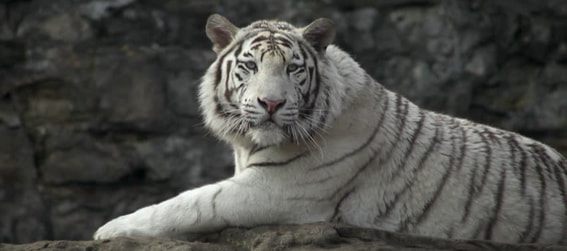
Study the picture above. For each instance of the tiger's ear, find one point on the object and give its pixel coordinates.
(220, 31)
(320, 33)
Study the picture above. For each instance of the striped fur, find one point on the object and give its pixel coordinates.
(342, 148)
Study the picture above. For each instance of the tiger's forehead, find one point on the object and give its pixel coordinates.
(272, 25)
(272, 45)
(272, 32)
(271, 39)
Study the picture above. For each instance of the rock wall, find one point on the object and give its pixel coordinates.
(98, 107)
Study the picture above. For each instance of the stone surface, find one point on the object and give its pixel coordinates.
(16, 157)
(98, 99)
(315, 236)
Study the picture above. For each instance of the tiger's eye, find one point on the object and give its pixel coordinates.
(250, 65)
(292, 67)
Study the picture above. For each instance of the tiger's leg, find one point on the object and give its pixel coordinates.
(248, 199)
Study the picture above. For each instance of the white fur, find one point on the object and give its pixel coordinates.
(360, 188)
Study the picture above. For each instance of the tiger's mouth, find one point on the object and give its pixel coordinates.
(268, 124)
(267, 132)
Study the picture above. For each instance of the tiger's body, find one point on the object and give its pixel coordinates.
(317, 139)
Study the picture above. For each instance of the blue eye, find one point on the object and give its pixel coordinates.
(292, 67)
(250, 65)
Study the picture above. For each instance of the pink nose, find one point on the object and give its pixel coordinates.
(271, 105)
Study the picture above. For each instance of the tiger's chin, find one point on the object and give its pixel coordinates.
(267, 135)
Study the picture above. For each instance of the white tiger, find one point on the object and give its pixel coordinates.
(315, 138)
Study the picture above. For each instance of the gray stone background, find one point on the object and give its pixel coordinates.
(99, 114)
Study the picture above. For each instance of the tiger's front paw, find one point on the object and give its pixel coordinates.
(118, 227)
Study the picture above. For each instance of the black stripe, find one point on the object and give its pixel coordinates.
(404, 113)
(195, 208)
(473, 189)
(336, 210)
(523, 163)
(282, 55)
(541, 216)
(284, 36)
(325, 115)
(360, 169)
(227, 89)
(434, 141)
(237, 51)
(214, 202)
(282, 39)
(398, 106)
(358, 172)
(279, 163)
(218, 108)
(250, 112)
(218, 76)
(499, 200)
(513, 152)
(542, 194)
(220, 62)
(452, 123)
(218, 73)
(463, 149)
(488, 161)
(241, 67)
(285, 43)
(361, 147)
(263, 54)
(257, 148)
(305, 112)
(303, 53)
(561, 184)
(412, 144)
(474, 193)
(491, 135)
(448, 171)
(402, 107)
(314, 90)
(259, 39)
(544, 157)
(340, 188)
(305, 96)
(238, 77)
(528, 229)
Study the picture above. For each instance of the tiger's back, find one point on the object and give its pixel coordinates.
(446, 177)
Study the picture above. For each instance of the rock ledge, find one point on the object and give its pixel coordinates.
(316, 236)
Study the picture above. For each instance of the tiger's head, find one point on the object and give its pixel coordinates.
(265, 85)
